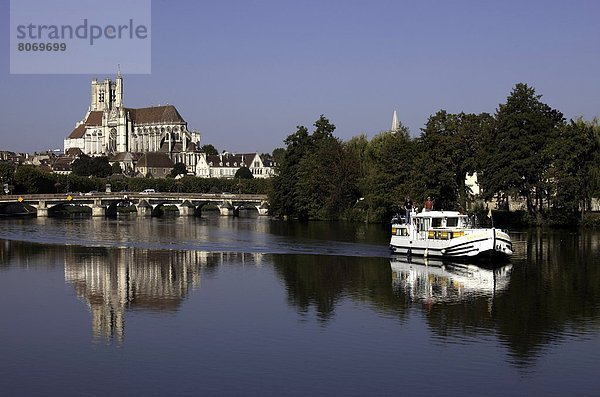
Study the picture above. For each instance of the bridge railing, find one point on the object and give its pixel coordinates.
(136, 195)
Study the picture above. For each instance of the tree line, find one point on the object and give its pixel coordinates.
(526, 150)
(28, 179)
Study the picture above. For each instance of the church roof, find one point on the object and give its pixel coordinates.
(62, 163)
(122, 156)
(93, 119)
(74, 152)
(149, 115)
(155, 114)
(229, 160)
(156, 160)
(78, 132)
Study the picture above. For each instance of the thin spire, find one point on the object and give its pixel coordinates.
(118, 70)
(395, 123)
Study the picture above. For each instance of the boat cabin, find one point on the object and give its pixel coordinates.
(438, 225)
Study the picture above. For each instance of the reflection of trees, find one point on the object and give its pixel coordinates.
(22, 254)
(554, 291)
(322, 281)
(554, 287)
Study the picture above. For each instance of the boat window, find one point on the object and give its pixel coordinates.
(451, 222)
(436, 222)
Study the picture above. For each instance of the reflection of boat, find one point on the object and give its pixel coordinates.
(448, 235)
(438, 280)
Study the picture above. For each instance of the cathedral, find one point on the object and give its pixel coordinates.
(109, 128)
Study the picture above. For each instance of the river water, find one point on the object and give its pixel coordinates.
(251, 306)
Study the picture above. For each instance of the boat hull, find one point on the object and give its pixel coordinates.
(478, 245)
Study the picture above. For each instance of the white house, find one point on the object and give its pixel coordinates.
(225, 165)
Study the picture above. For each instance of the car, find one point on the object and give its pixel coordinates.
(148, 191)
(91, 192)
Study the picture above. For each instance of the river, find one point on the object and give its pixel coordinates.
(252, 306)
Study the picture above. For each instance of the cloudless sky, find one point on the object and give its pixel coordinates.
(246, 73)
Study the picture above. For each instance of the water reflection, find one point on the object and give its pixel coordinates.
(209, 233)
(116, 280)
(112, 281)
(549, 294)
(435, 281)
(320, 283)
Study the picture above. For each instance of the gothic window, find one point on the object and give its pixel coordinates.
(101, 96)
(112, 140)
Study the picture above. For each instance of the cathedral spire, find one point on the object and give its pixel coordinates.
(395, 123)
(118, 70)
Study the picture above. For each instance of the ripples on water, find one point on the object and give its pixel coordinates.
(214, 234)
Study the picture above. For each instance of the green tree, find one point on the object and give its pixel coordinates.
(179, 169)
(452, 146)
(356, 148)
(116, 169)
(327, 180)
(315, 179)
(283, 195)
(390, 161)
(593, 181)
(209, 149)
(99, 167)
(85, 165)
(29, 179)
(7, 172)
(574, 156)
(243, 173)
(525, 126)
(278, 155)
(81, 166)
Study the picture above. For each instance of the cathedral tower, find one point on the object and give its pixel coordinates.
(107, 95)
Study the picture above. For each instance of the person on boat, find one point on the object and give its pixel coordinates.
(428, 204)
(408, 207)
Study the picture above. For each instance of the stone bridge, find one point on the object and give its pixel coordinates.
(146, 204)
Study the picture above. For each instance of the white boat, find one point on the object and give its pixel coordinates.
(448, 235)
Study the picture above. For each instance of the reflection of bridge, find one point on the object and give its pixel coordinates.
(104, 204)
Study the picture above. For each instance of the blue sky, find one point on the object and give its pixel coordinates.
(246, 73)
